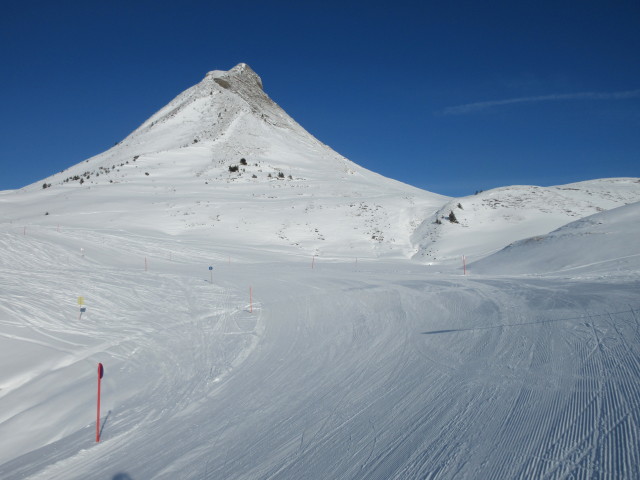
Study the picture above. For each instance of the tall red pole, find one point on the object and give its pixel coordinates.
(100, 373)
(250, 299)
(464, 264)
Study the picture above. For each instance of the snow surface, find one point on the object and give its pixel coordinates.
(336, 335)
(490, 220)
(600, 244)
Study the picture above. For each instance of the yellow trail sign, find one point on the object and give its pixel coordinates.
(80, 300)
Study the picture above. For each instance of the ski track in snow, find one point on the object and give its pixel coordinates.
(380, 370)
(160, 333)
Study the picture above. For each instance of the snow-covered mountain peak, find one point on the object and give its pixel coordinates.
(242, 73)
(208, 109)
(223, 157)
(227, 112)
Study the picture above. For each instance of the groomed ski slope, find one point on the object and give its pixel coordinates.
(362, 368)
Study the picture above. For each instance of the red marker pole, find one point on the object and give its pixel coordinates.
(250, 299)
(464, 264)
(100, 374)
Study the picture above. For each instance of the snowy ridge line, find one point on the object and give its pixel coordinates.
(588, 316)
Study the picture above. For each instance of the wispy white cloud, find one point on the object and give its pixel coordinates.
(478, 106)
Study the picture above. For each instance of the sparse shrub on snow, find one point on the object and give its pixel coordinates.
(243, 161)
(233, 168)
(452, 217)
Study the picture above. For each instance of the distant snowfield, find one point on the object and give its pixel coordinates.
(601, 244)
(336, 336)
(488, 221)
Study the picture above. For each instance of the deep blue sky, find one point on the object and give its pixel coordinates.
(452, 97)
